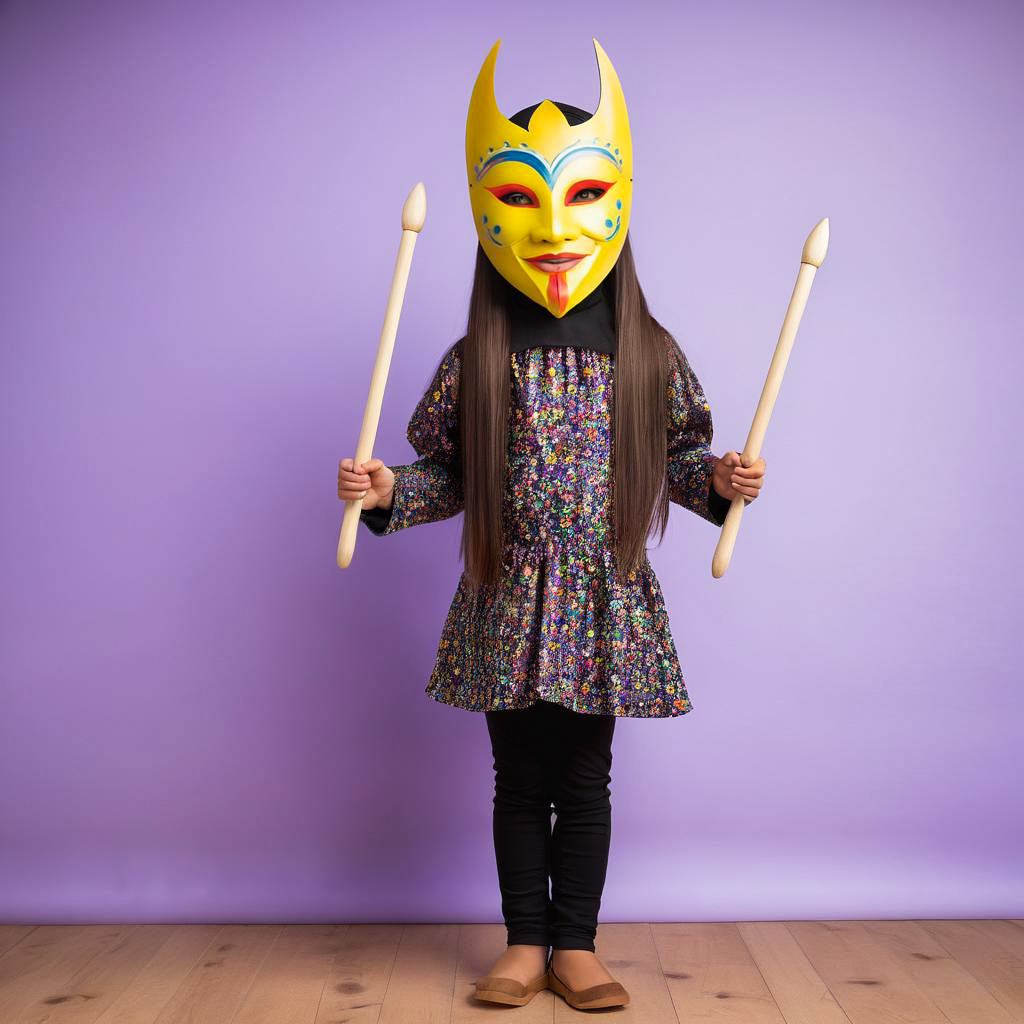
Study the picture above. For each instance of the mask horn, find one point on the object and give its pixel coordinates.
(483, 107)
(611, 107)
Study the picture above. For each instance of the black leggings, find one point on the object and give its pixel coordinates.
(545, 755)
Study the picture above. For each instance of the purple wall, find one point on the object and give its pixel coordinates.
(204, 718)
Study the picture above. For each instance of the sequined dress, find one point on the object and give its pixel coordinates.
(558, 626)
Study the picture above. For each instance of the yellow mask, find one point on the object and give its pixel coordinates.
(553, 189)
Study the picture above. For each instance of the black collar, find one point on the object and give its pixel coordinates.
(589, 324)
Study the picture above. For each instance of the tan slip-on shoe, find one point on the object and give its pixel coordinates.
(493, 989)
(608, 993)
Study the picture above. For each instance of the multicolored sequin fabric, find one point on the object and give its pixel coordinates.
(558, 626)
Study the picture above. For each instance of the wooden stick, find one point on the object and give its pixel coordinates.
(414, 213)
(812, 257)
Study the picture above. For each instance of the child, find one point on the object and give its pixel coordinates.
(558, 625)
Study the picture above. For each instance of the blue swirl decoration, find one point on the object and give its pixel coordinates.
(548, 171)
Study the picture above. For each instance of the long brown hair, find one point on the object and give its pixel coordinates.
(639, 439)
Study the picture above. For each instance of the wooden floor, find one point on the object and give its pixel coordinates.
(797, 972)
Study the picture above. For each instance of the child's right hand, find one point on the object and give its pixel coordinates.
(371, 480)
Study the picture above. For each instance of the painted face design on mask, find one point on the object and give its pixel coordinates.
(550, 202)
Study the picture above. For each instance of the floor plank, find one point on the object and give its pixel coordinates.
(712, 976)
(1008, 934)
(355, 987)
(983, 949)
(152, 988)
(12, 934)
(798, 990)
(289, 985)
(423, 978)
(43, 962)
(953, 989)
(90, 991)
(865, 978)
(215, 987)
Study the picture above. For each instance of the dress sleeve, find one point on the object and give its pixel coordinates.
(690, 459)
(429, 489)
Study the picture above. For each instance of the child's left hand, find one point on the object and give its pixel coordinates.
(731, 478)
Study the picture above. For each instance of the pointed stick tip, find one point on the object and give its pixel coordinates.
(414, 212)
(816, 245)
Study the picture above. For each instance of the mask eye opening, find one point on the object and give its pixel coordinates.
(582, 186)
(502, 192)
